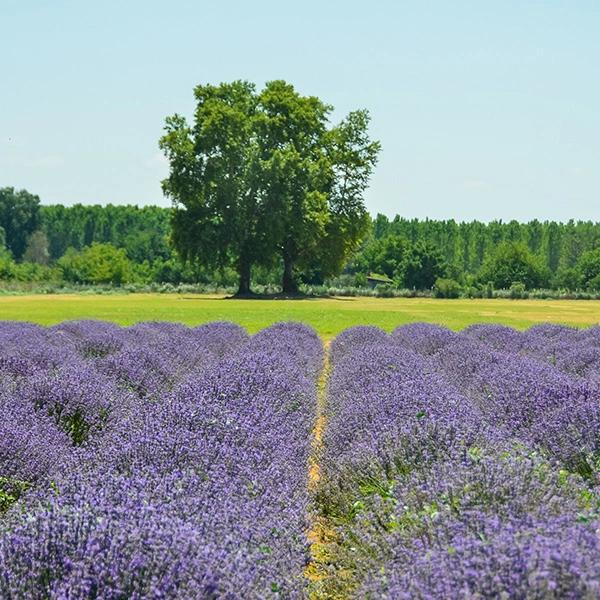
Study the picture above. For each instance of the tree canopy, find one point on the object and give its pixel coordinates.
(262, 176)
(19, 217)
(513, 262)
(423, 264)
(588, 267)
(411, 265)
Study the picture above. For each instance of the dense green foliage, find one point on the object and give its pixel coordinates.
(142, 232)
(535, 254)
(466, 245)
(473, 258)
(513, 262)
(262, 177)
(446, 288)
(19, 217)
(589, 269)
(98, 263)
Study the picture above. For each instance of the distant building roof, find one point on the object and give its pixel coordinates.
(375, 278)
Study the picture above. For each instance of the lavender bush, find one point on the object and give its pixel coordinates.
(461, 465)
(161, 461)
(187, 476)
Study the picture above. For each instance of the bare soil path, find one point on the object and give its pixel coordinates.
(321, 533)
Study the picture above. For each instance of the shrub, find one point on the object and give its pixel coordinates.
(517, 290)
(7, 264)
(513, 262)
(98, 263)
(594, 284)
(446, 288)
(360, 280)
(589, 268)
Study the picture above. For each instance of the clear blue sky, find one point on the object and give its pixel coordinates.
(485, 109)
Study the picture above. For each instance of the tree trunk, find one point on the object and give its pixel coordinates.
(244, 277)
(289, 285)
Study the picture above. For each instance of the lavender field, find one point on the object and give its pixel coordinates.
(161, 461)
(463, 465)
(155, 461)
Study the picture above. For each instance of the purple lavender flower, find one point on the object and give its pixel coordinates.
(451, 467)
(191, 479)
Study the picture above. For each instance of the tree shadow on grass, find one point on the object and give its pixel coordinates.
(276, 296)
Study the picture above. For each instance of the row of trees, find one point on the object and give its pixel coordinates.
(418, 265)
(261, 182)
(36, 233)
(262, 176)
(118, 244)
(534, 254)
(465, 246)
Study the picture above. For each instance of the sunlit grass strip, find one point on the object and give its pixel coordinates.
(327, 316)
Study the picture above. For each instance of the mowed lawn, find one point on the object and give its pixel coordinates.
(328, 316)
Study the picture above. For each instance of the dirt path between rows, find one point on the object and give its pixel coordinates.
(314, 472)
(320, 533)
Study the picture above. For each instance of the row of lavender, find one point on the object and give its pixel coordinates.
(463, 465)
(154, 461)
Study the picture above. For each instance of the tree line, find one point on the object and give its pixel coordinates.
(119, 244)
(466, 245)
(537, 254)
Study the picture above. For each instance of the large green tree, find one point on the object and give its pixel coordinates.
(219, 211)
(19, 217)
(316, 175)
(295, 168)
(261, 176)
(513, 262)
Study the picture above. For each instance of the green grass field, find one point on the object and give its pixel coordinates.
(328, 316)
